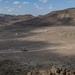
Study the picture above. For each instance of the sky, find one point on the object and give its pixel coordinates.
(34, 7)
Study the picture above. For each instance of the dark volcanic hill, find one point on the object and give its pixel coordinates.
(61, 17)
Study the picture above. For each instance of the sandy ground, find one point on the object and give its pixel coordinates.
(45, 45)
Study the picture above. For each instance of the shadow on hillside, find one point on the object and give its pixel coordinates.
(48, 56)
(25, 28)
(67, 21)
(45, 57)
(18, 31)
(31, 45)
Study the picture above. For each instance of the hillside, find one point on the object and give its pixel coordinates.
(61, 17)
(10, 19)
(66, 16)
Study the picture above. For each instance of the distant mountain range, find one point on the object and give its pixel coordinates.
(61, 17)
(9, 19)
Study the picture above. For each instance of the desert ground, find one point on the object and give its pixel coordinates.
(46, 46)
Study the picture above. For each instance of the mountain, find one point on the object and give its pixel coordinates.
(66, 16)
(61, 17)
(2, 15)
(9, 19)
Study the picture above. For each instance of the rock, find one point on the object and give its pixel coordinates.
(40, 72)
(72, 72)
(55, 70)
(63, 73)
(24, 50)
(67, 73)
(29, 73)
(43, 72)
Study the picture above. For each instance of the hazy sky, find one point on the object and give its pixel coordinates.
(34, 7)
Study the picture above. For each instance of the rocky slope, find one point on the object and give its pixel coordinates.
(62, 17)
(53, 71)
(66, 16)
(9, 67)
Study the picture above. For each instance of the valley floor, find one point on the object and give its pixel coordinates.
(43, 47)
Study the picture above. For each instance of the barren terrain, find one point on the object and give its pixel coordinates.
(45, 46)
